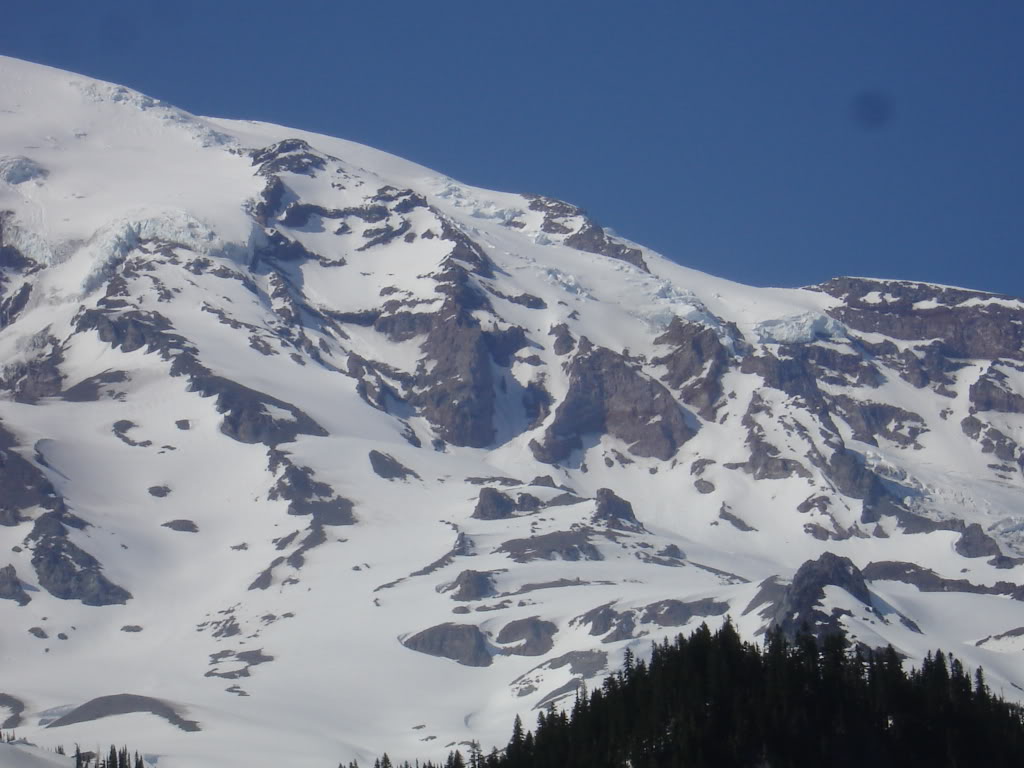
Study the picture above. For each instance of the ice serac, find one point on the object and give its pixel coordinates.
(279, 397)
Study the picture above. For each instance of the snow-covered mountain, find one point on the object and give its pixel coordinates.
(308, 452)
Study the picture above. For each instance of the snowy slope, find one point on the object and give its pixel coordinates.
(311, 452)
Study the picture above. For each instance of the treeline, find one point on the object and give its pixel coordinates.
(711, 700)
(116, 758)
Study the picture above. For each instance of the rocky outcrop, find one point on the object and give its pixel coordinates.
(462, 643)
(492, 504)
(64, 569)
(574, 228)
(991, 392)
(676, 613)
(608, 624)
(11, 588)
(559, 545)
(615, 512)
(533, 637)
(974, 542)
(799, 606)
(471, 585)
(124, 704)
(387, 466)
(696, 365)
(968, 324)
(607, 395)
(307, 496)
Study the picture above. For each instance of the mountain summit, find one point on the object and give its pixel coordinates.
(309, 452)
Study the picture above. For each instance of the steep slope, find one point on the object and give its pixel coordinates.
(309, 451)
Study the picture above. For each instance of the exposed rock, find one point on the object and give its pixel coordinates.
(388, 467)
(131, 628)
(676, 613)
(605, 620)
(799, 605)
(733, 520)
(185, 526)
(247, 660)
(535, 636)
(928, 580)
(974, 542)
(124, 704)
(695, 365)
(38, 632)
(615, 512)
(965, 322)
(463, 643)
(562, 545)
(92, 388)
(306, 496)
(703, 486)
(67, 571)
(609, 396)
(11, 587)
(160, 491)
(871, 420)
(493, 505)
(561, 218)
(471, 585)
(564, 341)
(15, 706)
(289, 156)
(990, 393)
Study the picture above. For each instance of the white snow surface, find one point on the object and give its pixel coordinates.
(128, 204)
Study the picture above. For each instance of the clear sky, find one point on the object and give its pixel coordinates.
(773, 142)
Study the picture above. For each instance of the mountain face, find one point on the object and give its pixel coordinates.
(308, 452)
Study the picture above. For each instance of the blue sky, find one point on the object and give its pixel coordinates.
(773, 143)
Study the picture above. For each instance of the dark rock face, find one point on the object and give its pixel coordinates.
(675, 613)
(23, 485)
(15, 706)
(615, 512)
(609, 396)
(871, 420)
(93, 388)
(965, 330)
(388, 467)
(11, 588)
(562, 545)
(183, 526)
(246, 416)
(990, 393)
(471, 585)
(457, 393)
(67, 571)
(307, 496)
(928, 580)
(581, 232)
(974, 542)
(124, 704)
(799, 603)
(289, 156)
(493, 505)
(695, 365)
(605, 620)
(564, 341)
(463, 643)
(534, 635)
